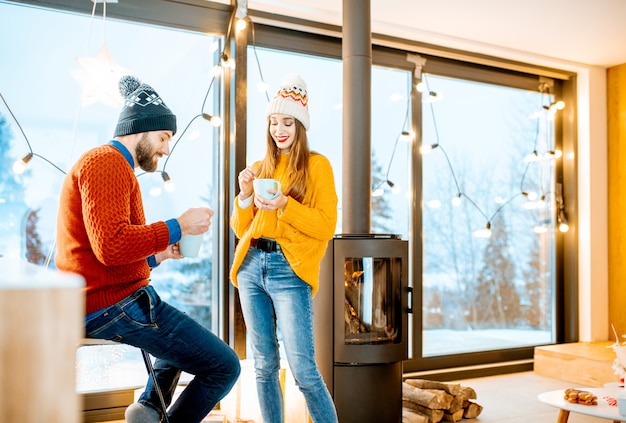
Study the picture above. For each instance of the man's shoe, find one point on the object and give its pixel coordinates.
(139, 413)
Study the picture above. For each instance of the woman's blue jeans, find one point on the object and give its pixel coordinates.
(273, 297)
(179, 343)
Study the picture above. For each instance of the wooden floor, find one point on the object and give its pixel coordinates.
(512, 398)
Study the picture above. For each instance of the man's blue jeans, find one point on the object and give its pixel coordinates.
(179, 343)
(273, 296)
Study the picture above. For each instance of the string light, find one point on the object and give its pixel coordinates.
(20, 165)
(225, 62)
(168, 183)
(262, 87)
(561, 217)
(427, 148)
(241, 25)
(432, 97)
(216, 121)
(406, 136)
(562, 221)
(483, 233)
(241, 14)
(535, 156)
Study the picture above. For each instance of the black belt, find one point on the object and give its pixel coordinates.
(264, 244)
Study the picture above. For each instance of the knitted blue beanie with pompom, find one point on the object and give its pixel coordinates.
(143, 110)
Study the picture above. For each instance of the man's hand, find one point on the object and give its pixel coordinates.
(195, 221)
(171, 252)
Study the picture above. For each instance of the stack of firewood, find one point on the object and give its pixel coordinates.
(427, 401)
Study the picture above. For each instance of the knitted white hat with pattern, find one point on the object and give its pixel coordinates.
(291, 99)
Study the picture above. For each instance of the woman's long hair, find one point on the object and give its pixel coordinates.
(297, 167)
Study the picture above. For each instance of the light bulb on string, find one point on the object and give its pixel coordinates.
(541, 203)
(420, 87)
(483, 233)
(241, 25)
(215, 120)
(532, 157)
(262, 87)
(241, 14)
(456, 200)
(226, 62)
(395, 188)
(378, 192)
(168, 183)
(215, 71)
(554, 154)
(20, 165)
(434, 204)
(432, 97)
(406, 136)
(427, 148)
(557, 105)
(531, 195)
(562, 221)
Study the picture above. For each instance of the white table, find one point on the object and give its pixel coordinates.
(602, 410)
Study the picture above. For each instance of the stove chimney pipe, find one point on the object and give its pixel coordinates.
(357, 158)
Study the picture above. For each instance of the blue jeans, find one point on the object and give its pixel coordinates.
(273, 297)
(179, 343)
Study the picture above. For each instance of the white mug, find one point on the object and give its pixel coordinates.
(190, 245)
(261, 187)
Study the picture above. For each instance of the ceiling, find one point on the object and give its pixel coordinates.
(588, 32)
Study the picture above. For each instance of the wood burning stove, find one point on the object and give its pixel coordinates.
(361, 325)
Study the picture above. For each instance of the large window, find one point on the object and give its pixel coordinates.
(493, 165)
(488, 216)
(52, 85)
(481, 213)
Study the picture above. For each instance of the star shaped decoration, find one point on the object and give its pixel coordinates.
(98, 78)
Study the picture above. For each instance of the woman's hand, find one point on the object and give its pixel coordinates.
(245, 179)
(263, 203)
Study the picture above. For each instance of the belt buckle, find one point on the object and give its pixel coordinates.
(264, 244)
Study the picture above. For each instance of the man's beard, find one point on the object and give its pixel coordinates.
(146, 155)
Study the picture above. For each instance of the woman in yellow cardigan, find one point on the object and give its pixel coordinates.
(277, 261)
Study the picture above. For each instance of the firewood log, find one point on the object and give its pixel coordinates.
(467, 392)
(472, 410)
(411, 416)
(444, 398)
(434, 416)
(453, 417)
(450, 388)
(430, 398)
(457, 404)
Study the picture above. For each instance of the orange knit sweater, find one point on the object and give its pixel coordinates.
(101, 228)
(302, 229)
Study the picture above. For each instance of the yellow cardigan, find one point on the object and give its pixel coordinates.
(301, 229)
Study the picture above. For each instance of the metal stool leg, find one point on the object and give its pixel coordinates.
(146, 359)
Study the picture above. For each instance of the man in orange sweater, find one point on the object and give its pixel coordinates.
(102, 235)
